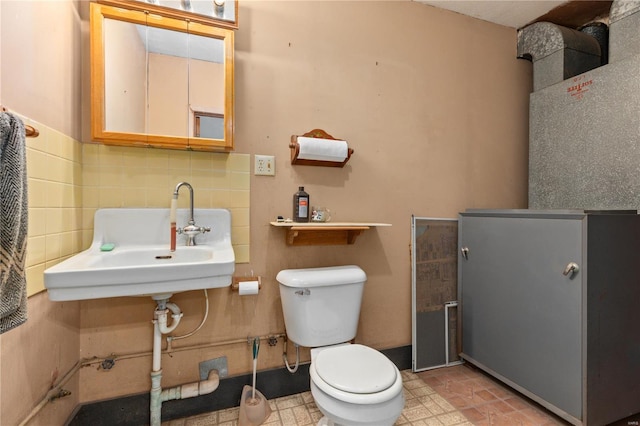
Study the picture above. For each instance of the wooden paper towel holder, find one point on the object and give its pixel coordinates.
(315, 133)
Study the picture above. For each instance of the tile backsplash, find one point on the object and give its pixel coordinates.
(68, 181)
(54, 172)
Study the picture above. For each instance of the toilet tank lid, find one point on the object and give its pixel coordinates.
(319, 277)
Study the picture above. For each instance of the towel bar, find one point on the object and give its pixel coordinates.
(29, 131)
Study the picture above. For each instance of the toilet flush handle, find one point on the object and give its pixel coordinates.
(304, 292)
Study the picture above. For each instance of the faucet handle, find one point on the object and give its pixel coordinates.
(193, 230)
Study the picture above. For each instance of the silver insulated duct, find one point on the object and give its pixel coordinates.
(584, 130)
(557, 52)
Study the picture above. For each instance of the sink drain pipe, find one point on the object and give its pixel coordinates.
(189, 390)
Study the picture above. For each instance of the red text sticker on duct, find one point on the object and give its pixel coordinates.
(579, 87)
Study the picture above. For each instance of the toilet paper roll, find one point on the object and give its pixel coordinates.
(322, 149)
(247, 288)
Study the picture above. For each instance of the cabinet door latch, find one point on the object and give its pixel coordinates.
(465, 252)
(571, 268)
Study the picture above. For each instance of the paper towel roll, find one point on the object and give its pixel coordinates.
(322, 149)
(246, 288)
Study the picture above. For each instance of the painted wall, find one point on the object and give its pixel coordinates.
(434, 104)
(436, 110)
(40, 71)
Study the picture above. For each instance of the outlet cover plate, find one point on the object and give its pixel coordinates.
(265, 165)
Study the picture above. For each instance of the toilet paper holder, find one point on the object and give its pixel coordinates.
(235, 282)
(318, 134)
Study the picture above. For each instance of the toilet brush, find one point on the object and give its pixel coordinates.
(254, 408)
(256, 349)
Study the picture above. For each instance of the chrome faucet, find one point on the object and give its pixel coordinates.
(191, 230)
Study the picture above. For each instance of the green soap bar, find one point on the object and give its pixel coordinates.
(107, 247)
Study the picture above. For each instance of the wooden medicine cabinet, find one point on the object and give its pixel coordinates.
(219, 13)
(154, 77)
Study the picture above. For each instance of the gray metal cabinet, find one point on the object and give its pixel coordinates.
(548, 303)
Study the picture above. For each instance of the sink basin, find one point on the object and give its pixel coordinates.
(141, 263)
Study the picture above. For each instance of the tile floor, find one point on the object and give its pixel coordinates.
(484, 400)
(458, 395)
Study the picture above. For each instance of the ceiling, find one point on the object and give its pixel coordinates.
(519, 13)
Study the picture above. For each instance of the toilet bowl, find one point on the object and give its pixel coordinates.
(351, 384)
(355, 385)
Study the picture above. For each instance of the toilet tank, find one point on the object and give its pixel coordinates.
(321, 306)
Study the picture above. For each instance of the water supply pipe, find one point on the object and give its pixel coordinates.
(286, 361)
(194, 331)
(85, 362)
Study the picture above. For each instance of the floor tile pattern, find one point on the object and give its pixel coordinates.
(485, 401)
(459, 395)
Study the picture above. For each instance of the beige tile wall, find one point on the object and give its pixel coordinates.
(142, 177)
(68, 181)
(54, 171)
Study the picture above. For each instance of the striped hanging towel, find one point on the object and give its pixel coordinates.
(13, 222)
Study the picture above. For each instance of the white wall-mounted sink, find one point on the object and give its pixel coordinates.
(141, 263)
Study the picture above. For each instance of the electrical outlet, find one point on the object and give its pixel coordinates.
(265, 165)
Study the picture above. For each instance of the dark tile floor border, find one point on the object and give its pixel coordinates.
(133, 410)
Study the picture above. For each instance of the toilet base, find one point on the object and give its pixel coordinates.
(326, 422)
(340, 413)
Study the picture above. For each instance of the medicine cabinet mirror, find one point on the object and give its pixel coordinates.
(221, 13)
(160, 81)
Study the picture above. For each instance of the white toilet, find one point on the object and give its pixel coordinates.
(351, 384)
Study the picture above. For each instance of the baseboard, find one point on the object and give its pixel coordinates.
(133, 410)
(401, 356)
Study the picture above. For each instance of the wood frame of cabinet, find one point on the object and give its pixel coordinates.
(100, 12)
(172, 12)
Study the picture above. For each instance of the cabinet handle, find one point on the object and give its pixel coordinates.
(572, 268)
(465, 252)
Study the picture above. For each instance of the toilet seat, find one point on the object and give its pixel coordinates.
(356, 374)
(349, 368)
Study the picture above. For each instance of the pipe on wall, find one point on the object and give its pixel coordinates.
(190, 390)
(50, 396)
(85, 362)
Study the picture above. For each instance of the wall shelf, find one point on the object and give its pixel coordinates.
(326, 233)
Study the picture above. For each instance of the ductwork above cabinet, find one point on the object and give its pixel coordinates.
(624, 29)
(584, 125)
(557, 52)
